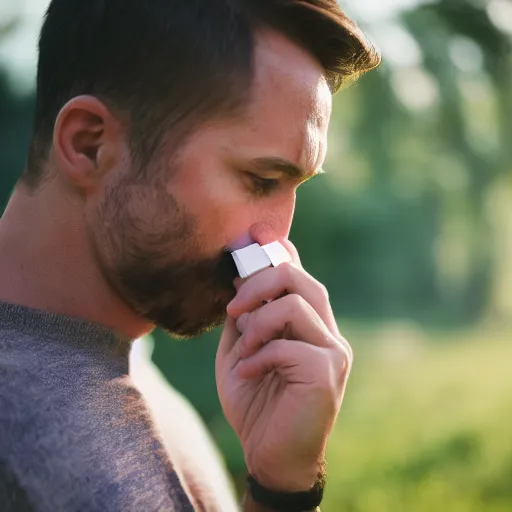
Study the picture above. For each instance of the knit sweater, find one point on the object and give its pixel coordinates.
(75, 434)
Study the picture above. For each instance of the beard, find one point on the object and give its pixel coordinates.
(185, 299)
(148, 249)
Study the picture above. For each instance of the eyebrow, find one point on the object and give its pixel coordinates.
(267, 164)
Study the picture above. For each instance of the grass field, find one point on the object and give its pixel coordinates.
(426, 425)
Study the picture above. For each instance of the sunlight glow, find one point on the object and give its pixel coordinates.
(500, 13)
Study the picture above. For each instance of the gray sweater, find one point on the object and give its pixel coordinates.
(74, 434)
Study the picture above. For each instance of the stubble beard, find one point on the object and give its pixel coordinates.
(158, 270)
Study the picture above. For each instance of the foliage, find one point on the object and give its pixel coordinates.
(15, 118)
(403, 225)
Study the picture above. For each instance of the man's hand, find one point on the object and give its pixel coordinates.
(282, 369)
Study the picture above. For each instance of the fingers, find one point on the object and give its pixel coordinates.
(299, 363)
(273, 282)
(286, 357)
(290, 317)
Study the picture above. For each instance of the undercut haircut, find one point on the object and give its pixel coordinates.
(166, 66)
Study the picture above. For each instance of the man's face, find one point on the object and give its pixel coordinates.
(162, 243)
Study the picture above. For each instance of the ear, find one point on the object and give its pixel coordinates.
(86, 142)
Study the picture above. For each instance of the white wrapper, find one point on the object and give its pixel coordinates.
(254, 258)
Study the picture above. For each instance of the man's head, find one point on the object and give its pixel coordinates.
(178, 126)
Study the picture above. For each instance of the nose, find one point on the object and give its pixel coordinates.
(267, 224)
(277, 226)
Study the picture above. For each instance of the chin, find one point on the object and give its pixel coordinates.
(186, 326)
(189, 331)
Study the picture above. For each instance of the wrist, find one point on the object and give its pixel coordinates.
(296, 480)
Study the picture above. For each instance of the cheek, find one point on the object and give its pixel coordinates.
(226, 221)
(223, 221)
(131, 220)
(225, 216)
(217, 203)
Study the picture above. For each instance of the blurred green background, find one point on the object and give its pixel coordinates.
(411, 230)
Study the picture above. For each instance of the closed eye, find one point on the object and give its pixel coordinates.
(263, 186)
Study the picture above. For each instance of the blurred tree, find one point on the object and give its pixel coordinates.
(411, 241)
(434, 27)
(15, 124)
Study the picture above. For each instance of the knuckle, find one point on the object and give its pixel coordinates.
(346, 361)
(324, 292)
(343, 361)
(295, 304)
(285, 271)
(343, 346)
(349, 351)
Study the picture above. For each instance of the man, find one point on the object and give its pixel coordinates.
(167, 131)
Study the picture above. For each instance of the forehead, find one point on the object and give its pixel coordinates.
(290, 103)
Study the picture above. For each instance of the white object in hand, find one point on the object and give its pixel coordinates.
(255, 257)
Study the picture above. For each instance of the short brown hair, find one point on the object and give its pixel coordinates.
(170, 64)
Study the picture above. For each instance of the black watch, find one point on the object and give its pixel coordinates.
(287, 502)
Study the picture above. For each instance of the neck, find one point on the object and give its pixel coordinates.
(47, 263)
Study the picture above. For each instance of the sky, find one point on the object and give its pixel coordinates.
(377, 18)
